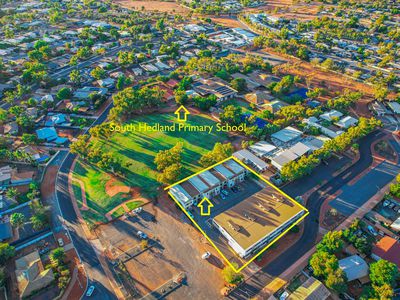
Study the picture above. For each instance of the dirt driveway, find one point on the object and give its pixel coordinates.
(179, 249)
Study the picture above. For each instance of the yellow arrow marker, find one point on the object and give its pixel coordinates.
(181, 114)
(205, 206)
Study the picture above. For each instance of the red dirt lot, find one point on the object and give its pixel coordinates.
(161, 6)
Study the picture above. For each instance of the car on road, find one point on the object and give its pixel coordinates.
(206, 255)
(90, 291)
(142, 235)
(60, 242)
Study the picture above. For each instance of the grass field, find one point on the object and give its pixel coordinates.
(137, 151)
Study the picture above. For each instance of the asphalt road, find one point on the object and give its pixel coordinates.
(94, 270)
(260, 279)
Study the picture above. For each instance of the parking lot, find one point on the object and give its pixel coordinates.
(223, 203)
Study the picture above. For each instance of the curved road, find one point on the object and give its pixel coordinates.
(95, 272)
(311, 226)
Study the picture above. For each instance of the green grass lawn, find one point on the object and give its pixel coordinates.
(137, 151)
(134, 204)
(119, 212)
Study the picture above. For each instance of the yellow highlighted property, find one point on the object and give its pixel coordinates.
(253, 214)
(205, 206)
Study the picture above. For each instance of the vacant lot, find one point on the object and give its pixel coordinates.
(161, 6)
(137, 151)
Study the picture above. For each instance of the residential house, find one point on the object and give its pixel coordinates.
(215, 87)
(394, 106)
(11, 128)
(291, 154)
(311, 289)
(263, 149)
(84, 93)
(49, 134)
(285, 136)
(250, 159)
(346, 122)
(273, 106)
(31, 274)
(355, 268)
(259, 98)
(388, 249)
(331, 115)
(5, 176)
(106, 83)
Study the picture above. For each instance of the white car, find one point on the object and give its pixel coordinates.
(206, 255)
(60, 242)
(90, 291)
(138, 210)
(142, 235)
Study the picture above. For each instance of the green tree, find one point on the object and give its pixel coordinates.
(17, 220)
(181, 97)
(383, 272)
(331, 242)
(165, 158)
(170, 173)
(323, 263)
(12, 193)
(239, 84)
(29, 139)
(57, 256)
(217, 154)
(6, 252)
(75, 77)
(231, 114)
(98, 73)
(64, 93)
(337, 281)
(230, 276)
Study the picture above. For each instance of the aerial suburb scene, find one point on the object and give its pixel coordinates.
(200, 149)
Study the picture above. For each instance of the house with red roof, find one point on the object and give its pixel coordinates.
(388, 249)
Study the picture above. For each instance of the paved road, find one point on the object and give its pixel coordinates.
(94, 270)
(259, 280)
(64, 71)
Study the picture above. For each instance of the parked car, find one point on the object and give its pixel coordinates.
(142, 235)
(137, 210)
(386, 203)
(372, 230)
(90, 291)
(190, 214)
(225, 192)
(206, 255)
(60, 242)
(223, 196)
(235, 189)
(391, 205)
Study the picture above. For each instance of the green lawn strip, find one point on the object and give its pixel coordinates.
(117, 213)
(134, 204)
(91, 217)
(77, 193)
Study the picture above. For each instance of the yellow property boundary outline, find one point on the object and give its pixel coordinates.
(258, 176)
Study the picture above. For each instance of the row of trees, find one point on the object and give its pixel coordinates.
(92, 152)
(131, 100)
(297, 169)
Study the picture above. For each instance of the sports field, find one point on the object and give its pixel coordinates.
(137, 151)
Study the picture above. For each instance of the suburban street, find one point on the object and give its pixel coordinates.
(94, 271)
(260, 279)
